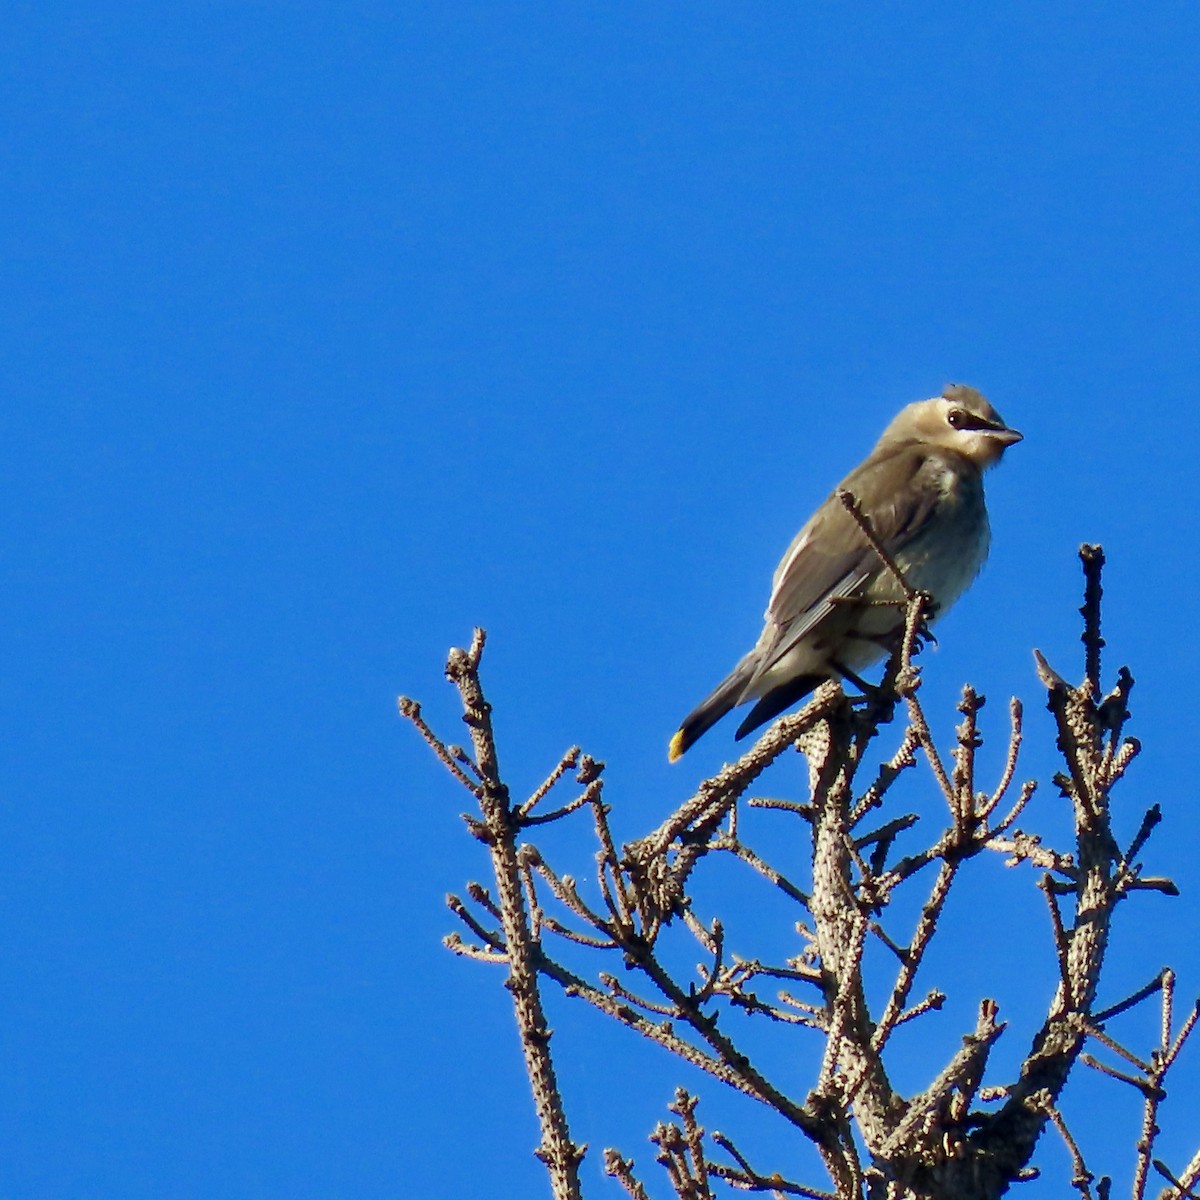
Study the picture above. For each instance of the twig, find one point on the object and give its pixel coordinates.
(617, 989)
(748, 1179)
(1129, 1002)
(889, 772)
(1112, 1044)
(1184, 1190)
(566, 892)
(454, 943)
(800, 808)
(968, 741)
(1016, 713)
(1092, 558)
(1062, 944)
(1118, 763)
(1186, 1181)
(411, 710)
(621, 1169)
(618, 892)
(558, 1152)
(557, 814)
(1145, 1086)
(1161, 1062)
(1188, 1027)
(464, 914)
(933, 1002)
(1149, 822)
(661, 885)
(1026, 794)
(1081, 1176)
(924, 931)
(574, 935)
(852, 506)
(916, 716)
(565, 764)
(888, 832)
(1027, 847)
(742, 851)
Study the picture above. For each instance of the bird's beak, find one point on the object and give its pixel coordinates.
(1008, 437)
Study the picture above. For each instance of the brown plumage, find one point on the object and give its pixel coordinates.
(921, 489)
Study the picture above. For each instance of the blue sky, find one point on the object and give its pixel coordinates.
(333, 330)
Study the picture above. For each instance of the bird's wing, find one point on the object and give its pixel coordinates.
(830, 559)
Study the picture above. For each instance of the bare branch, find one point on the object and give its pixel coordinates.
(557, 814)
(1092, 558)
(750, 1180)
(742, 851)
(621, 1169)
(1186, 1181)
(932, 1003)
(1112, 1044)
(1081, 1177)
(1143, 993)
(1180, 1189)
(938, 1145)
(916, 952)
(1135, 1081)
(852, 506)
(968, 741)
(411, 711)
(917, 719)
(661, 884)
(1026, 847)
(454, 943)
(1188, 1027)
(557, 1151)
(1121, 759)
(1026, 794)
(567, 763)
(464, 914)
(889, 772)
(1062, 943)
(1149, 822)
(1016, 713)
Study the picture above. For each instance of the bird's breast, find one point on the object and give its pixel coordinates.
(947, 554)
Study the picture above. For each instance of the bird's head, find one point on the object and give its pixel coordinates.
(960, 419)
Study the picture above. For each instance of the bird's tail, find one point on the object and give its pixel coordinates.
(726, 695)
(776, 701)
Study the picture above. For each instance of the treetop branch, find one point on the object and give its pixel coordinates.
(626, 944)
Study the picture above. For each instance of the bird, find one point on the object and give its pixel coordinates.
(835, 606)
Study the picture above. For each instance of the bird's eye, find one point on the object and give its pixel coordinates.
(957, 418)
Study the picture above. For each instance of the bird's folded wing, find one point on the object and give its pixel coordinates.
(830, 559)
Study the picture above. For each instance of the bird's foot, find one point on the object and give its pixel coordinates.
(880, 697)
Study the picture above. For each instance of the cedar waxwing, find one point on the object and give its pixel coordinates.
(921, 492)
